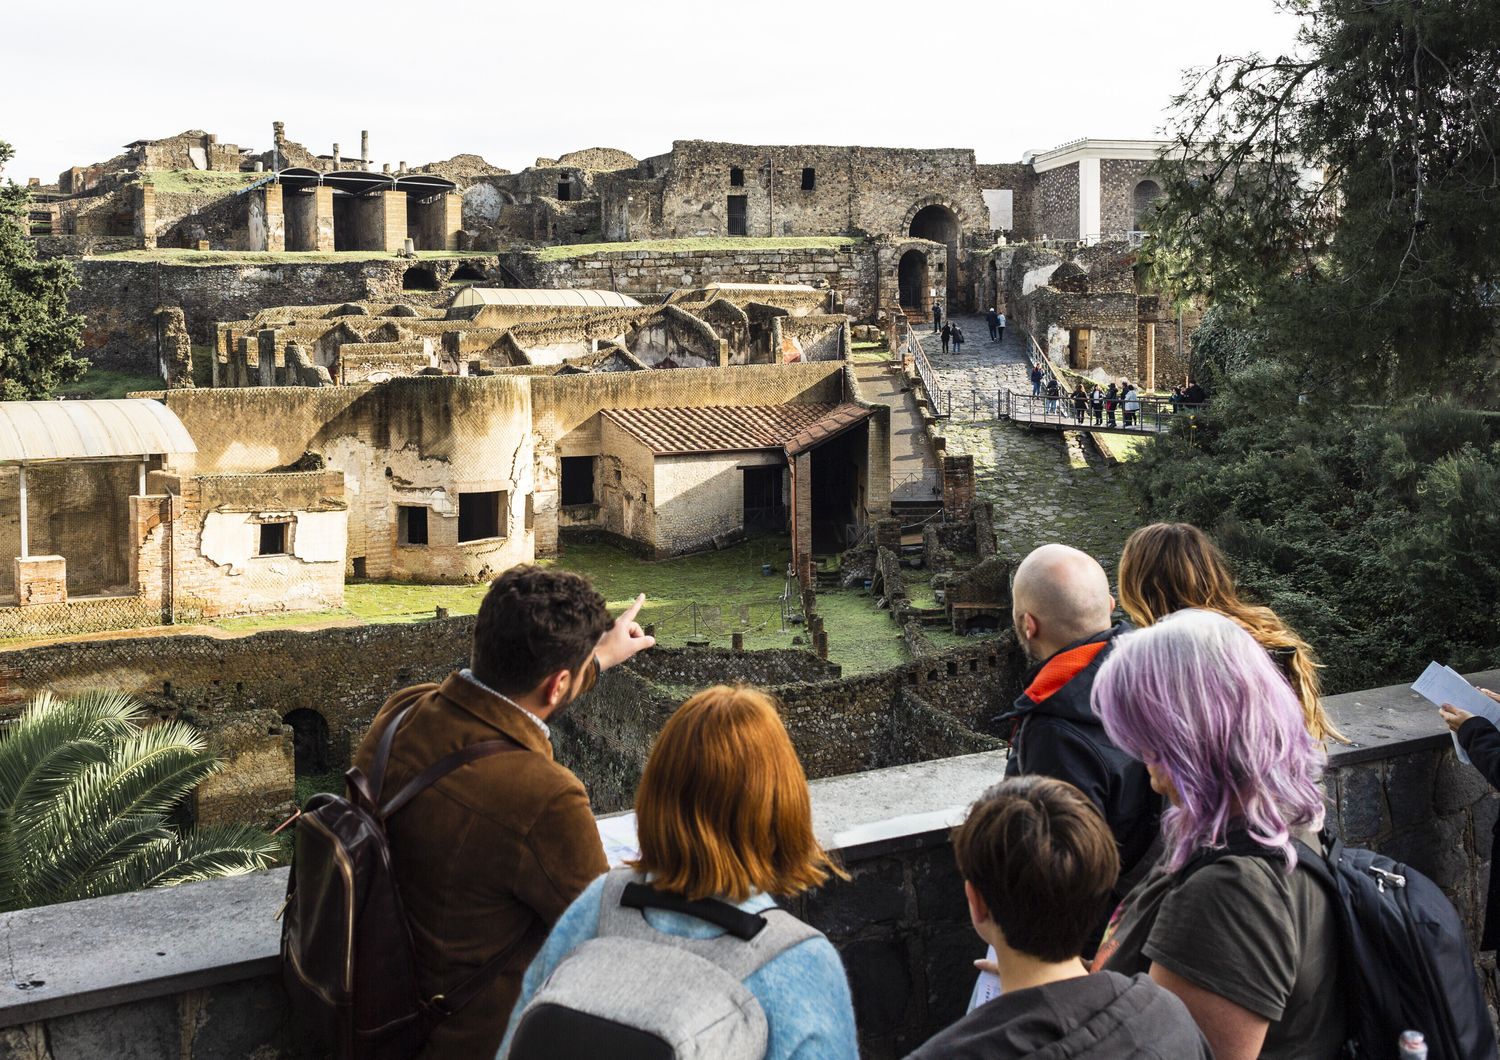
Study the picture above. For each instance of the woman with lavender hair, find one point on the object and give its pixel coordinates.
(1227, 922)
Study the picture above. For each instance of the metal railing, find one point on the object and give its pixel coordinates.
(1155, 414)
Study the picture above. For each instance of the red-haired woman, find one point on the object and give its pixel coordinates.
(724, 822)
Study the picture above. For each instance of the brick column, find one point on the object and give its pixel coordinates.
(878, 461)
(275, 218)
(41, 580)
(322, 220)
(453, 220)
(801, 468)
(145, 214)
(393, 223)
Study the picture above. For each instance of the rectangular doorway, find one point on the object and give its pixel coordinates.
(764, 508)
(738, 210)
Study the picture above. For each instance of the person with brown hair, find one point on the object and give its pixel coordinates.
(1039, 865)
(724, 824)
(1169, 567)
(487, 857)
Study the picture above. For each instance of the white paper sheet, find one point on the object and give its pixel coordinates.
(987, 986)
(619, 838)
(1441, 684)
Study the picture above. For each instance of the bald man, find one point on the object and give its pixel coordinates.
(1062, 609)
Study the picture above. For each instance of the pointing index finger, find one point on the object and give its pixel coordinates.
(634, 609)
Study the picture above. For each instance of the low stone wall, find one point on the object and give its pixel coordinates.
(193, 973)
(848, 270)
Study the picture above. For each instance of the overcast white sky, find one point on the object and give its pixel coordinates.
(512, 82)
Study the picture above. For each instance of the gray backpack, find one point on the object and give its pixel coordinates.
(636, 993)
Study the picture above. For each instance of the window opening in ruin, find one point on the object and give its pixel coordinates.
(577, 480)
(418, 278)
(565, 190)
(809, 178)
(1146, 194)
(360, 570)
(736, 177)
(530, 512)
(411, 524)
(764, 506)
(310, 745)
(272, 539)
(911, 280)
(479, 515)
(738, 208)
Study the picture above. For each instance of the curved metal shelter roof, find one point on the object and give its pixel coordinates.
(357, 182)
(528, 296)
(89, 430)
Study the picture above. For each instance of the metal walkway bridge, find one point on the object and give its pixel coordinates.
(1062, 413)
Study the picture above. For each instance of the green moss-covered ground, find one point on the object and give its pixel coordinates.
(677, 246)
(727, 588)
(196, 182)
(179, 256)
(98, 383)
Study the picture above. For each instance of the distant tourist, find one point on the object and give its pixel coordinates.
(958, 339)
(1052, 391)
(724, 823)
(947, 333)
(1039, 864)
(1080, 404)
(1481, 742)
(992, 318)
(1037, 375)
(1169, 567)
(489, 856)
(1000, 328)
(1111, 403)
(1131, 402)
(937, 315)
(1232, 921)
(1194, 394)
(1176, 398)
(1096, 400)
(1062, 611)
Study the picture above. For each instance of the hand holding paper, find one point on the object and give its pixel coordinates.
(1444, 686)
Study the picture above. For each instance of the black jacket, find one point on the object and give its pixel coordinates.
(1104, 1016)
(1481, 742)
(1057, 734)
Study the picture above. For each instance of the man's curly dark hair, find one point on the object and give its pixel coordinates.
(534, 622)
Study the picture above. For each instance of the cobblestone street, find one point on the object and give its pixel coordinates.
(1045, 485)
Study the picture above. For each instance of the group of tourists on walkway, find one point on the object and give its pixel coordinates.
(1140, 874)
(1107, 406)
(953, 336)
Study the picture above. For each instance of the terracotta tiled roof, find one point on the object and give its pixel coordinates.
(730, 428)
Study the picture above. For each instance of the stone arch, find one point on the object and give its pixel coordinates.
(467, 273)
(936, 219)
(1144, 198)
(311, 751)
(419, 278)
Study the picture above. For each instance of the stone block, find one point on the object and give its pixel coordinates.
(26, 1042)
(875, 894)
(939, 887)
(41, 580)
(949, 955)
(880, 980)
(1486, 813)
(142, 1030)
(1458, 786)
(1409, 785)
(1435, 848)
(1362, 812)
(241, 1019)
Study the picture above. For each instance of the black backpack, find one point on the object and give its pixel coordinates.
(346, 949)
(1404, 958)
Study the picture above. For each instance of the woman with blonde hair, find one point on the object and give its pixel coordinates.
(1170, 567)
(724, 824)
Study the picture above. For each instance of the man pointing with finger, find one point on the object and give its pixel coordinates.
(489, 856)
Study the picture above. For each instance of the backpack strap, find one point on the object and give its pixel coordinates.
(738, 957)
(445, 765)
(368, 787)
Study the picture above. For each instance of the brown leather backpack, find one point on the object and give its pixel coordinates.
(346, 949)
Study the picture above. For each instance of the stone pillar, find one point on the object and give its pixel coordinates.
(393, 222)
(958, 484)
(145, 214)
(267, 229)
(453, 220)
(322, 222)
(878, 464)
(41, 580)
(801, 468)
(364, 147)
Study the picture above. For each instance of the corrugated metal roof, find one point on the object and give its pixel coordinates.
(732, 428)
(529, 296)
(90, 430)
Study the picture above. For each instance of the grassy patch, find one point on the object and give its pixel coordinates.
(678, 246)
(311, 784)
(194, 182)
(869, 353)
(1124, 446)
(285, 620)
(100, 383)
(180, 256)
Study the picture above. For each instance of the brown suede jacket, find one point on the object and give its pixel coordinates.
(487, 858)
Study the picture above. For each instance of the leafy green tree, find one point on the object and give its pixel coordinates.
(38, 335)
(86, 792)
(1349, 194)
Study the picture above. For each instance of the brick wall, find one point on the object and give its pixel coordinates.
(1058, 202)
